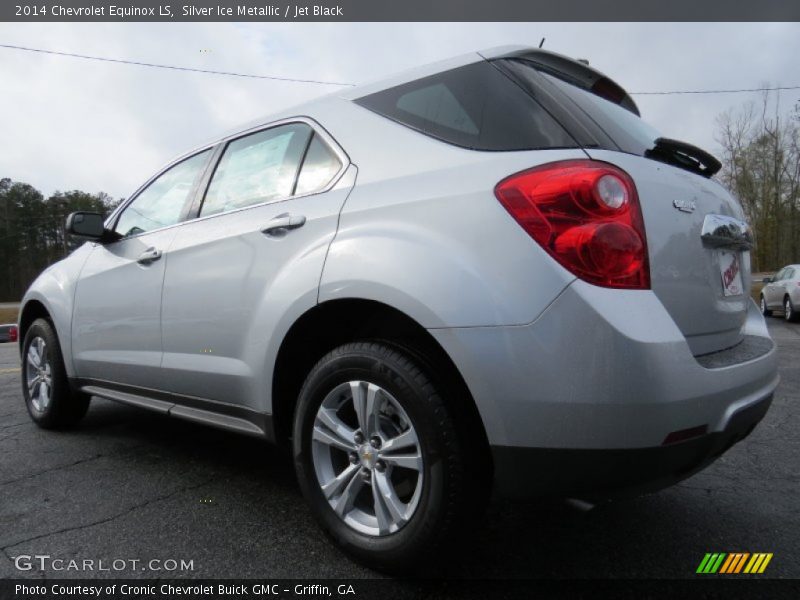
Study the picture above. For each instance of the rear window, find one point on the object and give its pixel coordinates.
(475, 106)
(629, 132)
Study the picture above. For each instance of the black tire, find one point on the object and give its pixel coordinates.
(442, 507)
(764, 310)
(789, 313)
(64, 407)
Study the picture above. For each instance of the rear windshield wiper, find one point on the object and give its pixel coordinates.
(685, 156)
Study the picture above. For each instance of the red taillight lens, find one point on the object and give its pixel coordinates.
(12, 334)
(586, 215)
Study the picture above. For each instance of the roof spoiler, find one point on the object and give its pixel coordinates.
(576, 72)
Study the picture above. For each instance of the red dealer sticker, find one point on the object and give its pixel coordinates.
(731, 273)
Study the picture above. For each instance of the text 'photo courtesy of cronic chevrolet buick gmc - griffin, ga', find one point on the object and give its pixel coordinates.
(486, 274)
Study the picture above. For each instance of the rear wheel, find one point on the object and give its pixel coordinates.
(788, 310)
(377, 456)
(50, 401)
(764, 310)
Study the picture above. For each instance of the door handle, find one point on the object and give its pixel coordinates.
(148, 256)
(283, 223)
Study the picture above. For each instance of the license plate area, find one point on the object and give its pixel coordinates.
(730, 270)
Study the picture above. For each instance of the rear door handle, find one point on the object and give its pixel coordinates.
(283, 223)
(148, 256)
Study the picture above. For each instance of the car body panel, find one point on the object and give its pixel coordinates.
(601, 368)
(228, 286)
(684, 273)
(54, 288)
(116, 325)
(422, 202)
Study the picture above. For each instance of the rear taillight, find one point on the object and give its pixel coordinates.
(12, 334)
(586, 215)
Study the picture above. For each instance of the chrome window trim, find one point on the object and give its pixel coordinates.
(111, 220)
(215, 158)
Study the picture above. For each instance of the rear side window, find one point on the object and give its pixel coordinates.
(320, 166)
(474, 107)
(257, 168)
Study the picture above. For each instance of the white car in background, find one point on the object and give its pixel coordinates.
(782, 292)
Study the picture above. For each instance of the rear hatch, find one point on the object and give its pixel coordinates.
(702, 281)
(703, 285)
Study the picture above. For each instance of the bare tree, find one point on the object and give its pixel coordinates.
(761, 166)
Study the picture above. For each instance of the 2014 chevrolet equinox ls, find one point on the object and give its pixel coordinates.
(485, 272)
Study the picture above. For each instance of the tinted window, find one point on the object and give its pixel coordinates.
(475, 107)
(319, 167)
(162, 202)
(628, 131)
(257, 168)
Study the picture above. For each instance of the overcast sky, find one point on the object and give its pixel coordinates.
(75, 124)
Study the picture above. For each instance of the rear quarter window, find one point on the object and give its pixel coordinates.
(475, 107)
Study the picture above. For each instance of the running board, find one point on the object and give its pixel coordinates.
(189, 413)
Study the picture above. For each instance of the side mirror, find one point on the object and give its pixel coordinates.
(86, 225)
(767, 280)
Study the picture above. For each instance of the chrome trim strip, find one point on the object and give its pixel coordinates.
(209, 412)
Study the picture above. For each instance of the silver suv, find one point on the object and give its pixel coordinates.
(483, 274)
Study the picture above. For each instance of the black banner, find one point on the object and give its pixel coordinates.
(399, 10)
(391, 589)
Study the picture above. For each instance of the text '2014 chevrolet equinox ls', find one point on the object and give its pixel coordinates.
(484, 273)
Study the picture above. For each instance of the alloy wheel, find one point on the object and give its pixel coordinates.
(39, 374)
(367, 458)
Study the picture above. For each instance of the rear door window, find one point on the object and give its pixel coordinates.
(475, 106)
(257, 168)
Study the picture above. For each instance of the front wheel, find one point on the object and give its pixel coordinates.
(764, 310)
(50, 401)
(788, 310)
(377, 456)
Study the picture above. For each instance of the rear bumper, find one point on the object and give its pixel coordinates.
(526, 472)
(603, 377)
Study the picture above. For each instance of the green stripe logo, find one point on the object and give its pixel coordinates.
(734, 563)
(711, 562)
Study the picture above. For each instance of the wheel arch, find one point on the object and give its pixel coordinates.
(33, 309)
(335, 322)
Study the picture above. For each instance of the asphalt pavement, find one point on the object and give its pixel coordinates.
(129, 485)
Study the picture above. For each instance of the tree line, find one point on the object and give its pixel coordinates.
(32, 231)
(761, 167)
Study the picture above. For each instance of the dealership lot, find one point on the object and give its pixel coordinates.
(134, 487)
